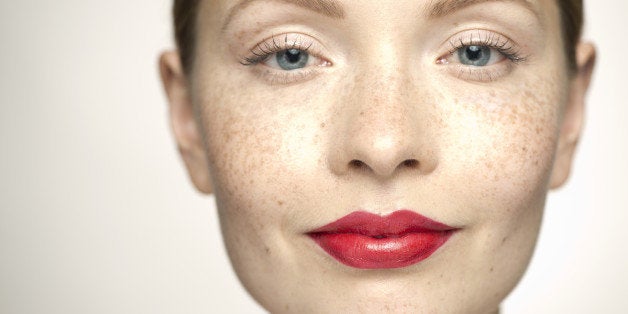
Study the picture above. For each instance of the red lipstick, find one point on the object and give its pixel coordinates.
(368, 241)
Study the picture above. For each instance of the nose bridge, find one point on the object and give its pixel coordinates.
(384, 111)
(382, 86)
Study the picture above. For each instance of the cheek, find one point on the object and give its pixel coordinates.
(505, 147)
(243, 148)
(497, 151)
(241, 160)
(504, 141)
(255, 143)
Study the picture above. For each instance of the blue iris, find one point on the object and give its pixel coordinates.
(292, 59)
(474, 55)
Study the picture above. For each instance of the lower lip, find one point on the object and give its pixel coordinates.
(365, 252)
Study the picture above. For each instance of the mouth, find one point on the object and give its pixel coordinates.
(368, 241)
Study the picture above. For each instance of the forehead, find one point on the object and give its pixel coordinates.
(225, 10)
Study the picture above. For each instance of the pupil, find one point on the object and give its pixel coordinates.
(293, 55)
(474, 53)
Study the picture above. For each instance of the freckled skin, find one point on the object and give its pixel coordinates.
(378, 131)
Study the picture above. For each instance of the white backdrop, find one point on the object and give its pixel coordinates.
(97, 214)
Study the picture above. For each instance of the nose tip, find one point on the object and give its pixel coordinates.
(384, 158)
(383, 152)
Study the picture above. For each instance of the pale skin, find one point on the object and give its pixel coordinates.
(383, 116)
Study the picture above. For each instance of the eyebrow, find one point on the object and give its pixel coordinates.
(441, 8)
(333, 9)
(329, 8)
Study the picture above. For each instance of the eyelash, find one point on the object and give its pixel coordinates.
(262, 51)
(498, 42)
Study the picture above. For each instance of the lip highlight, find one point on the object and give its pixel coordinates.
(369, 241)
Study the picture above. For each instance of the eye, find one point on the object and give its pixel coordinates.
(287, 53)
(479, 56)
(482, 55)
(286, 59)
(289, 59)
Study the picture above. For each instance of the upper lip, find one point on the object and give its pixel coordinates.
(395, 224)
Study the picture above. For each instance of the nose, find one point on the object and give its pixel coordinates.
(383, 128)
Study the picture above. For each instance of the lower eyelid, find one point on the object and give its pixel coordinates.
(275, 77)
(480, 74)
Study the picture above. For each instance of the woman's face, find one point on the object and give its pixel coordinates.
(306, 111)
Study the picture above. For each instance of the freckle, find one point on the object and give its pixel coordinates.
(492, 269)
(280, 203)
(267, 249)
(323, 125)
(504, 240)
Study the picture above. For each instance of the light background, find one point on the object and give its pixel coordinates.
(97, 215)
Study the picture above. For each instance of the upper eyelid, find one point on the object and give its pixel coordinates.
(272, 43)
(492, 39)
(280, 42)
(286, 45)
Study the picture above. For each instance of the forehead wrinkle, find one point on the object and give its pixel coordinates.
(329, 8)
(440, 8)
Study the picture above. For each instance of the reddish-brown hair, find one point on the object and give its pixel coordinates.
(572, 19)
(185, 14)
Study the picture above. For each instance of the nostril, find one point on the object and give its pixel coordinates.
(360, 165)
(357, 164)
(411, 163)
